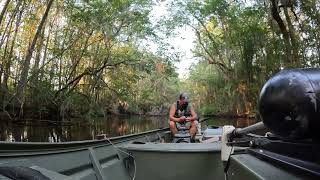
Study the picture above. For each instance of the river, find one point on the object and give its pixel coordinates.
(79, 129)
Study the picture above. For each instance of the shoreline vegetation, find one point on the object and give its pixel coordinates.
(64, 59)
(29, 115)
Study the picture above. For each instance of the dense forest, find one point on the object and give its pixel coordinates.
(67, 58)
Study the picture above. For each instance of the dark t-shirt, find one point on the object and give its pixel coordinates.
(182, 111)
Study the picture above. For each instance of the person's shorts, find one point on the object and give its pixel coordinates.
(187, 124)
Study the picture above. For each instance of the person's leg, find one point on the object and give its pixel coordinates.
(173, 127)
(193, 129)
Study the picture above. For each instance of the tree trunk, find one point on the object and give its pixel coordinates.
(4, 62)
(56, 44)
(26, 63)
(4, 57)
(9, 24)
(4, 10)
(8, 63)
(294, 44)
(77, 61)
(283, 29)
(35, 69)
(44, 56)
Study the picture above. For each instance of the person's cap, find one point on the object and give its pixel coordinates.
(184, 96)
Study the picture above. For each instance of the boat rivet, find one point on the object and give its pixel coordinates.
(251, 143)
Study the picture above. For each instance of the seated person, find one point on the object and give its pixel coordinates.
(181, 113)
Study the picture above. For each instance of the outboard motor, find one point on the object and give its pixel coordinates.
(289, 104)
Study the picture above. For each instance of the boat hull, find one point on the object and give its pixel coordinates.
(89, 160)
(246, 166)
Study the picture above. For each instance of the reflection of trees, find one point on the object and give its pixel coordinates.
(8, 132)
(85, 130)
(59, 134)
(18, 131)
(35, 131)
(120, 127)
(3, 130)
(240, 123)
(76, 132)
(244, 122)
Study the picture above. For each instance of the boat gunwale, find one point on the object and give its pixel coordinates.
(42, 148)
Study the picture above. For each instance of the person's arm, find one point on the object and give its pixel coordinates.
(171, 115)
(193, 115)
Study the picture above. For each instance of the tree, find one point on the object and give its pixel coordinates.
(26, 63)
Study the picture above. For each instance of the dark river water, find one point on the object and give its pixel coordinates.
(78, 129)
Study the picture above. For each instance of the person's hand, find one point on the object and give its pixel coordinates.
(189, 119)
(182, 119)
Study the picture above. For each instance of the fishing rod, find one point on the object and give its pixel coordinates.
(204, 119)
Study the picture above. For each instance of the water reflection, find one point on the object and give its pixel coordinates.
(79, 129)
(240, 123)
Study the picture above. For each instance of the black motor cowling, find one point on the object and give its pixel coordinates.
(289, 104)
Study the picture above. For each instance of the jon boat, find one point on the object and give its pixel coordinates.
(137, 156)
(143, 156)
(285, 145)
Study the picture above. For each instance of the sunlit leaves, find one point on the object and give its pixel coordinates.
(89, 49)
(245, 45)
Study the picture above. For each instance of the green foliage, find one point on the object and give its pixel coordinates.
(246, 46)
(94, 57)
(90, 58)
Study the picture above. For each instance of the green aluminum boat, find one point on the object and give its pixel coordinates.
(87, 160)
(145, 155)
(187, 161)
(251, 156)
(151, 155)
